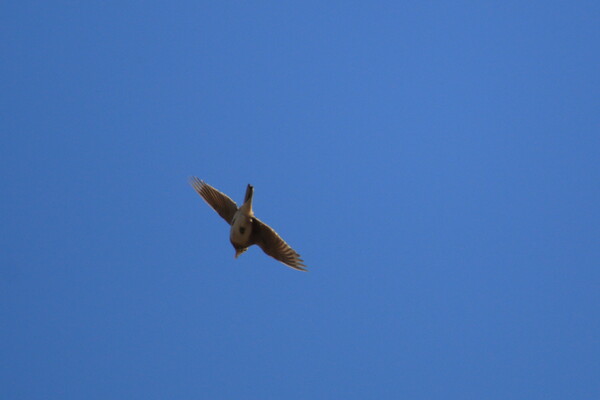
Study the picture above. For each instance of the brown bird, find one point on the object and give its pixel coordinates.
(246, 229)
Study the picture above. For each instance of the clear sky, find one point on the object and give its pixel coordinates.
(436, 164)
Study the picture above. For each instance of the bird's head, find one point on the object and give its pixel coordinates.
(239, 251)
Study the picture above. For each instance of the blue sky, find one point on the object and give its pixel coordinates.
(436, 164)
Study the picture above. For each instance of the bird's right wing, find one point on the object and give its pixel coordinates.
(220, 202)
(273, 245)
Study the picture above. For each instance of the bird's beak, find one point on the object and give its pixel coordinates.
(238, 252)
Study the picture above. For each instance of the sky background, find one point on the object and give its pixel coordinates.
(436, 164)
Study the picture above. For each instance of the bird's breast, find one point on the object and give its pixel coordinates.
(241, 228)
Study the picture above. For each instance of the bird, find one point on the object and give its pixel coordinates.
(247, 230)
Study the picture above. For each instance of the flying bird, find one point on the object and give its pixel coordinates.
(246, 229)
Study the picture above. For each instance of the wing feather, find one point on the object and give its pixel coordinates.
(273, 245)
(220, 202)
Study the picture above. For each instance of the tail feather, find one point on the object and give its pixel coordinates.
(249, 193)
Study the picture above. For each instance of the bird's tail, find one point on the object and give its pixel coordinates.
(249, 193)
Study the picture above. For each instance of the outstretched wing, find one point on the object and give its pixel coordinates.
(273, 245)
(220, 202)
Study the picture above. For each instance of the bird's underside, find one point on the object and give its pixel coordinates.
(247, 230)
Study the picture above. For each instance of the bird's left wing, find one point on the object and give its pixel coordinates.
(220, 202)
(273, 245)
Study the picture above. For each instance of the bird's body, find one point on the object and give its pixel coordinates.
(246, 229)
(241, 231)
(241, 225)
